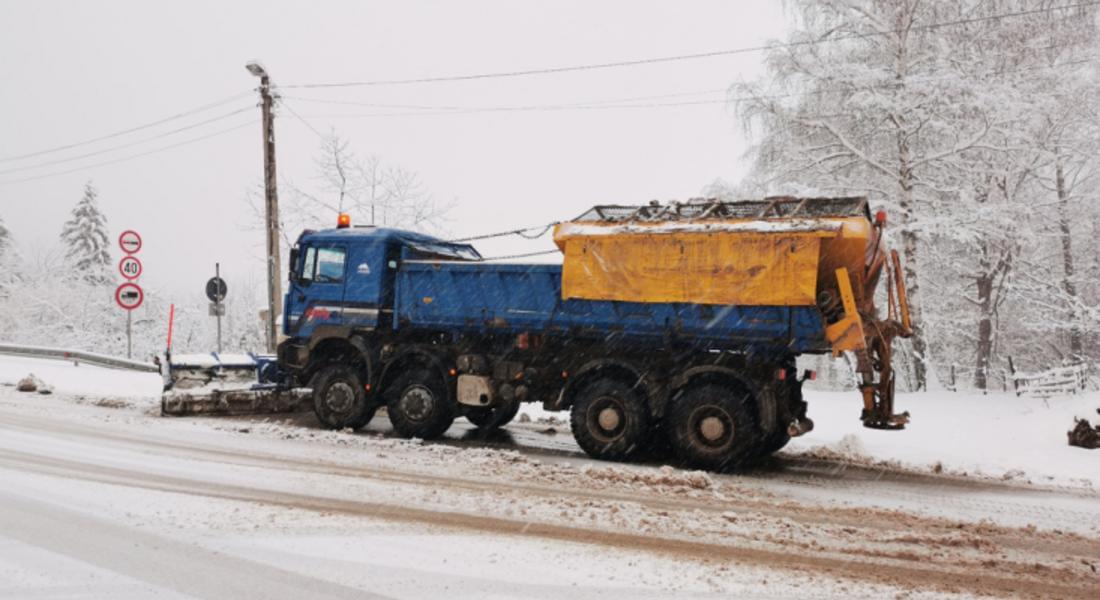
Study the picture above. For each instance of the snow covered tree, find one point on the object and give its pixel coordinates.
(86, 240)
(848, 108)
(935, 110)
(372, 192)
(5, 239)
(8, 272)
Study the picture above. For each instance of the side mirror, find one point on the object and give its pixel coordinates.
(293, 265)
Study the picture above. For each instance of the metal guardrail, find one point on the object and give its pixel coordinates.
(78, 356)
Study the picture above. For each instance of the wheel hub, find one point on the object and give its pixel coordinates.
(339, 397)
(417, 402)
(609, 419)
(712, 426)
(712, 429)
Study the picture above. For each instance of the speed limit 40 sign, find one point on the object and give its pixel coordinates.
(130, 267)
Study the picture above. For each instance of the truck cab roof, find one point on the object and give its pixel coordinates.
(416, 243)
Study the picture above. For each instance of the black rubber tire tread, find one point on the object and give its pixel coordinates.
(691, 448)
(774, 442)
(637, 431)
(492, 418)
(441, 417)
(362, 410)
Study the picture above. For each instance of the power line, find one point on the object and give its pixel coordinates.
(686, 57)
(129, 144)
(441, 110)
(130, 130)
(284, 104)
(467, 107)
(133, 156)
(531, 108)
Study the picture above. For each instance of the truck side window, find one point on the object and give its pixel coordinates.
(330, 265)
(308, 264)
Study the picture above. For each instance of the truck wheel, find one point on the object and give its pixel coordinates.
(610, 420)
(489, 418)
(773, 443)
(418, 404)
(339, 399)
(711, 426)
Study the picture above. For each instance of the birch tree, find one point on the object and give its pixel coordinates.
(930, 109)
(370, 191)
(855, 103)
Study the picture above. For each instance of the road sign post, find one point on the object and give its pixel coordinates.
(216, 291)
(129, 295)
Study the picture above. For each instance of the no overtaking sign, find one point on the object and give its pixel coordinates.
(129, 241)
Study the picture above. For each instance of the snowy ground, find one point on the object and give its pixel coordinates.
(996, 436)
(81, 379)
(1001, 436)
(262, 507)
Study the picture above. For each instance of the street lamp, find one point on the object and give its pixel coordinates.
(256, 69)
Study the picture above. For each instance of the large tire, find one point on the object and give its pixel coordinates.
(773, 442)
(610, 420)
(491, 418)
(711, 426)
(339, 398)
(418, 404)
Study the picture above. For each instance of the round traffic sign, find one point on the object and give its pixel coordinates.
(216, 289)
(129, 296)
(130, 267)
(129, 241)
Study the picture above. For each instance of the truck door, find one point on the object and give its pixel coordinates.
(316, 297)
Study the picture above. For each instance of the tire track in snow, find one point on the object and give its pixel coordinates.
(821, 561)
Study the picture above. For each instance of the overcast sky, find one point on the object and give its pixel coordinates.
(78, 70)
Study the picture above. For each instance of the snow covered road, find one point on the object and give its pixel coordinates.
(108, 499)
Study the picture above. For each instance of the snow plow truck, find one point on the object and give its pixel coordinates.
(681, 321)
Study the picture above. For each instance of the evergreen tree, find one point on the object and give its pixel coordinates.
(85, 237)
(7, 272)
(5, 240)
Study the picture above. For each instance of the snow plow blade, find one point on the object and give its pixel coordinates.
(222, 384)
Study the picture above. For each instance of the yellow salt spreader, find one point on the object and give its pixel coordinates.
(823, 258)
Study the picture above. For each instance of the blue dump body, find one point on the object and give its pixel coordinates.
(352, 278)
(516, 298)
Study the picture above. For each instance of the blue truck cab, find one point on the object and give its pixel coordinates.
(344, 279)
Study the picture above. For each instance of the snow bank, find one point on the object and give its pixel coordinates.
(995, 435)
(68, 378)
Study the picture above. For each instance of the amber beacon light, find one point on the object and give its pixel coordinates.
(343, 221)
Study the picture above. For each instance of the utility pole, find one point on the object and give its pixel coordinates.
(271, 208)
